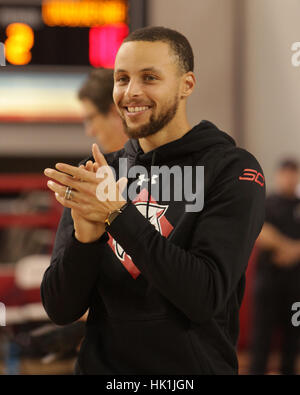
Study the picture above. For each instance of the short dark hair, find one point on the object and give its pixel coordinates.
(289, 164)
(177, 41)
(98, 88)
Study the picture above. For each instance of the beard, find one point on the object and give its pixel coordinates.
(155, 124)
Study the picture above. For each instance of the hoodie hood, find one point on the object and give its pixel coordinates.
(199, 138)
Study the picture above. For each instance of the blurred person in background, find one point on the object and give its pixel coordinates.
(277, 281)
(99, 112)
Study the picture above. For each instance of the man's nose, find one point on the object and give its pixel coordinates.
(133, 89)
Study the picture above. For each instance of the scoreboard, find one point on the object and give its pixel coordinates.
(67, 32)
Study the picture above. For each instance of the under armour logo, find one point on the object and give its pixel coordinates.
(143, 179)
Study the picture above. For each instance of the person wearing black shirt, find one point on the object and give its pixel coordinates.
(277, 280)
(163, 281)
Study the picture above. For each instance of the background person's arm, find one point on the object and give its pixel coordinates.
(286, 251)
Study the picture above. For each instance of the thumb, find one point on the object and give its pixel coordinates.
(98, 156)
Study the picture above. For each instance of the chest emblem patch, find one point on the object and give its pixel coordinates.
(156, 216)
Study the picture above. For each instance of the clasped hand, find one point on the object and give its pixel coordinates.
(88, 212)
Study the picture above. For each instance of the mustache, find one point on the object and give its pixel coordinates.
(136, 104)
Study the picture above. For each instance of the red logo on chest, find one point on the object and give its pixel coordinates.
(156, 216)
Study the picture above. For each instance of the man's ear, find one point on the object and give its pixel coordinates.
(188, 84)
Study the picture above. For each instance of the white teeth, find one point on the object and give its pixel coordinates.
(137, 109)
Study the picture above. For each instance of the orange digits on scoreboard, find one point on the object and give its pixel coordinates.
(20, 40)
(83, 13)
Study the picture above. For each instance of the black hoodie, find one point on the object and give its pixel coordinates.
(164, 293)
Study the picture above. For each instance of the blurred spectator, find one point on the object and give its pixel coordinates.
(99, 112)
(278, 273)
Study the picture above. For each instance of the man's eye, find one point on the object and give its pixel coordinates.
(122, 79)
(150, 78)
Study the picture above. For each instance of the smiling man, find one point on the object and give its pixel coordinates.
(163, 284)
(152, 82)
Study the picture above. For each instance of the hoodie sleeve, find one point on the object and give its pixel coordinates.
(69, 280)
(200, 280)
